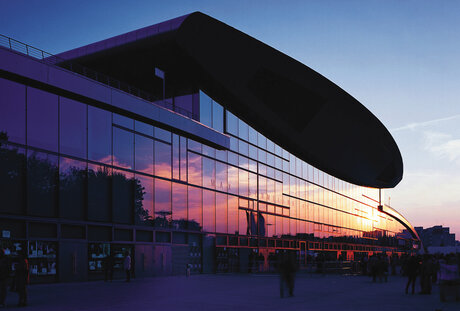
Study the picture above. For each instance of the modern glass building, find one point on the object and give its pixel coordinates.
(197, 158)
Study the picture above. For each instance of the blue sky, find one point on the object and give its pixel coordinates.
(401, 59)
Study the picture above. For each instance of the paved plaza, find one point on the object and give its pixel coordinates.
(232, 292)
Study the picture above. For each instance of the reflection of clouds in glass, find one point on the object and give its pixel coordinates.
(162, 159)
(195, 205)
(221, 213)
(194, 169)
(179, 202)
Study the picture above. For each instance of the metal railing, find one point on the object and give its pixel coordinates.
(54, 60)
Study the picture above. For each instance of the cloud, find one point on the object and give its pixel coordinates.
(414, 125)
(442, 145)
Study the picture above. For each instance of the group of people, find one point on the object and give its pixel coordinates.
(428, 269)
(441, 269)
(16, 282)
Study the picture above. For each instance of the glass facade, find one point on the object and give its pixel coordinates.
(82, 162)
(103, 176)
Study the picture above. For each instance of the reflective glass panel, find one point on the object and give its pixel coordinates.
(143, 200)
(162, 203)
(12, 179)
(209, 173)
(209, 211)
(221, 213)
(99, 135)
(232, 214)
(217, 117)
(143, 128)
(72, 192)
(99, 192)
(144, 154)
(123, 121)
(195, 213)
(13, 111)
(205, 109)
(179, 206)
(122, 196)
(123, 148)
(232, 179)
(162, 159)
(194, 168)
(72, 127)
(42, 190)
(42, 119)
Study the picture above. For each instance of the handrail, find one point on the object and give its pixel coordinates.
(54, 60)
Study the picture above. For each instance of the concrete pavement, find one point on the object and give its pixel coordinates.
(233, 292)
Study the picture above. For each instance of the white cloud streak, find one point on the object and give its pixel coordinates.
(415, 125)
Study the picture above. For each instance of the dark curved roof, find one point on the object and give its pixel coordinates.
(288, 102)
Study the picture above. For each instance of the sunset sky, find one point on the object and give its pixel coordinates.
(400, 59)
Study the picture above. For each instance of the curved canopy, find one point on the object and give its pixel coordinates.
(288, 102)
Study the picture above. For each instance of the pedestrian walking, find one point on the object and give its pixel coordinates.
(426, 272)
(287, 268)
(127, 266)
(4, 273)
(412, 268)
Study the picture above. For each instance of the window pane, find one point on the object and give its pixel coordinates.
(122, 196)
(42, 119)
(243, 130)
(253, 186)
(232, 123)
(209, 211)
(143, 200)
(175, 157)
(232, 179)
(209, 173)
(72, 127)
(162, 159)
(143, 128)
(232, 214)
(123, 121)
(99, 135)
(42, 175)
(194, 169)
(179, 206)
(162, 134)
(221, 213)
(243, 222)
(144, 154)
(183, 158)
(123, 145)
(243, 183)
(162, 203)
(99, 208)
(194, 208)
(217, 117)
(13, 110)
(205, 109)
(72, 193)
(221, 176)
(12, 179)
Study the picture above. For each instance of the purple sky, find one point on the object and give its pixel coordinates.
(401, 59)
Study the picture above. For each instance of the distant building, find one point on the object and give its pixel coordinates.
(436, 236)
